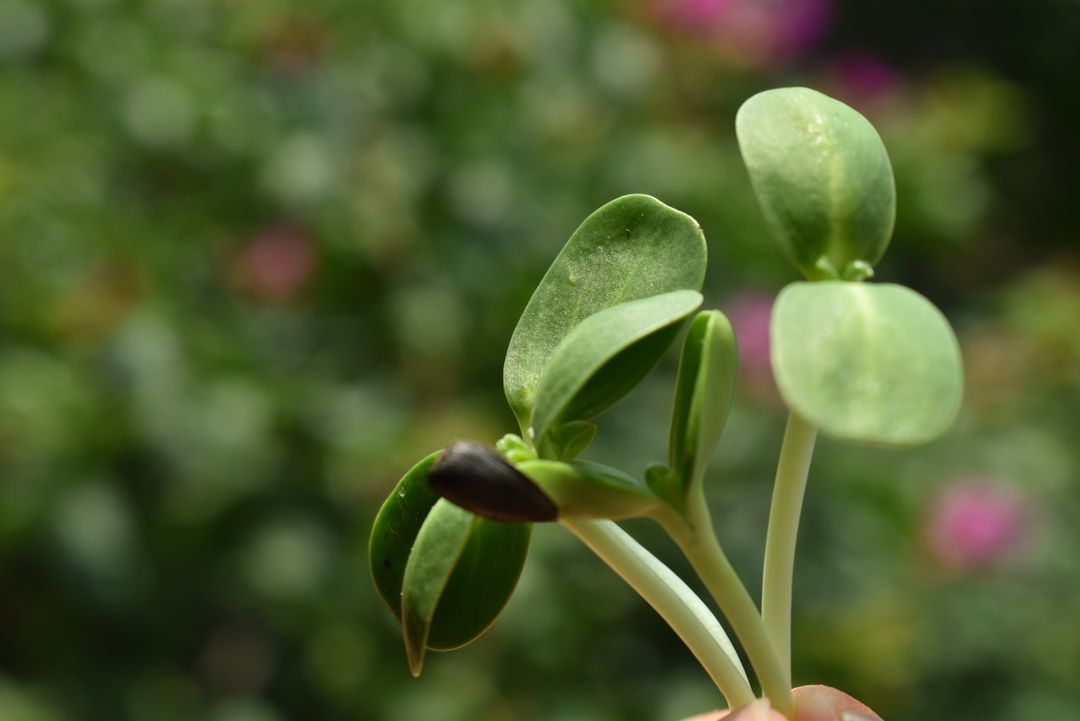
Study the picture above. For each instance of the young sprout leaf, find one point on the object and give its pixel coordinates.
(823, 179)
(485, 577)
(460, 574)
(514, 449)
(703, 394)
(633, 247)
(604, 357)
(583, 489)
(395, 529)
(868, 363)
(483, 481)
(570, 439)
(666, 484)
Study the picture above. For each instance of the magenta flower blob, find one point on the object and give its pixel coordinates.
(975, 523)
(750, 312)
(759, 33)
(277, 263)
(864, 81)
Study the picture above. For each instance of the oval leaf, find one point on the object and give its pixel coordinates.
(666, 484)
(459, 576)
(605, 356)
(571, 439)
(633, 247)
(823, 179)
(703, 394)
(483, 581)
(481, 480)
(395, 529)
(583, 489)
(865, 362)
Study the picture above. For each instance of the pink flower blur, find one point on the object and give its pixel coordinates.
(760, 33)
(862, 80)
(976, 522)
(749, 312)
(277, 263)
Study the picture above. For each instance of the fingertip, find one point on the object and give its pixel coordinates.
(760, 710)
(824, 703)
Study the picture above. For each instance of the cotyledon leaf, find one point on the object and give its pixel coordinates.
(485, 577)
(439, 545)
(630, 248)
(395, 529)
(569, 440)
(704, 391)
(460, 573)
(866, 362)
(482, 572)
(823, 179)
(605, 356)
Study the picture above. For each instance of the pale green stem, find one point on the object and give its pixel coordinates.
(673, 600)
(788, 491)
(697, 539)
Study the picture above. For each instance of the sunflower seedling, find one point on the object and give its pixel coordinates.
(861, 362)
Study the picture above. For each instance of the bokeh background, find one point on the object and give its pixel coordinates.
(259, 256)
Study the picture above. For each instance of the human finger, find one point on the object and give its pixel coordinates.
(824, 703)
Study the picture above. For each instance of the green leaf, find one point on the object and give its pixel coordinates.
(439, 546)
(666, 484)
(583, 489)
(571, 439)
(605, 356)
(460, 574)
(633, 247)
(483, 581)
(703, 394)
(395, 529)
(514, 449)
(457, 583)
(867, 363)
(823, 179)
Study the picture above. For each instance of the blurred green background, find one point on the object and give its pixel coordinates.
(259, 256)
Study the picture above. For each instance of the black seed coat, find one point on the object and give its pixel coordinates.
(481, 480)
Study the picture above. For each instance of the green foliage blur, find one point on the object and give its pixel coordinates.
(259, 256)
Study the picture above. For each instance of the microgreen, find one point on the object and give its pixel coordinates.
(823, 179)
(861, 362)
(868, 363)
(634, 247)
